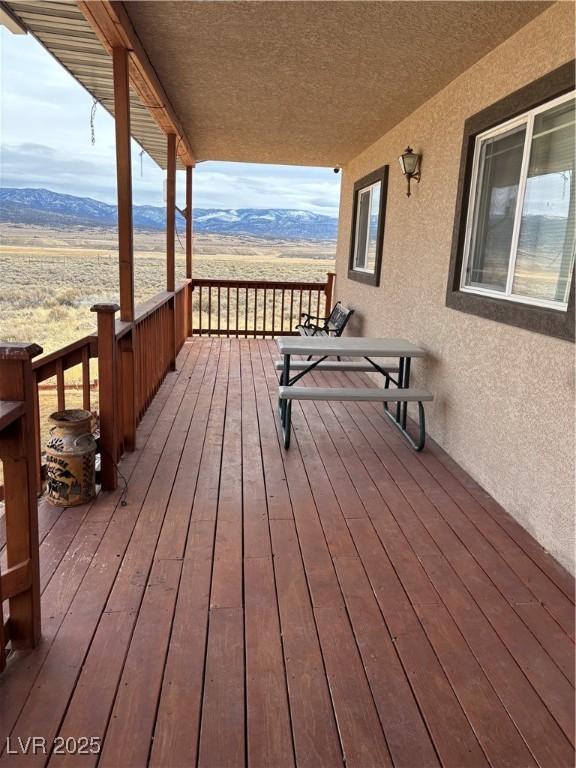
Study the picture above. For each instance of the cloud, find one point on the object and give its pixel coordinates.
(46, 142)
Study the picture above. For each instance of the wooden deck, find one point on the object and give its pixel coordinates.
(346, 601)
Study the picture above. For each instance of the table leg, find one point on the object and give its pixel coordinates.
(406, 385)
(400, 384)
(284, 381)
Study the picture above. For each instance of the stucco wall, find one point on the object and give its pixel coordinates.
(504, 397)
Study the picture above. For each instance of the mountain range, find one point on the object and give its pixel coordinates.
(42, 207)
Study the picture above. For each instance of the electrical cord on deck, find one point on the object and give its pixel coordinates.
(124, 494)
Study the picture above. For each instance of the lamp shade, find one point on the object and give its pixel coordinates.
(409, 162)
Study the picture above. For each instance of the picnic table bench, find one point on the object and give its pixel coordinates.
(366, 348)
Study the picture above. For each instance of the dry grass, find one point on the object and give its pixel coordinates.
(50, 279)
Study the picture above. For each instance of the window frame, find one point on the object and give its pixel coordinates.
(363, 274)
(531, 317)
(525, 119)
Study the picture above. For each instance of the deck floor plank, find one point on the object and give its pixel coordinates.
(535, 722)
(471, 687)
(347, 601)
(222, 730)
(357, 588)
(540, 573)
(484, 578)
(268, 729)
(184, 675)
(136, 632)
(314, 731)
(80, 576)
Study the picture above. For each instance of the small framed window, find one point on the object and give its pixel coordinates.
(368, 227)
(520, 233)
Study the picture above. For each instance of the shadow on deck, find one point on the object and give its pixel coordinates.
(347, 599)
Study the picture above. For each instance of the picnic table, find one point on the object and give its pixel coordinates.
(321, 352)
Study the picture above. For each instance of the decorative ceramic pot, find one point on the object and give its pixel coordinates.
(70, 455)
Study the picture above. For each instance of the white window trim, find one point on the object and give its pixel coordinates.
(371, 188)
(527, 118)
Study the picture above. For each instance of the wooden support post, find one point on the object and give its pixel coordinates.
(18, 453)
(127, 404)
(329, 291)
(107, 375)
(188, 221)
(124, 182)
(189, 248)
(170, 239)
(170, 211)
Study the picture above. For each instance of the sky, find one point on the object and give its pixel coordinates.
(45, 142)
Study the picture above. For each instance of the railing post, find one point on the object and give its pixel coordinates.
(329, 290)
(18, 453)
(108, 406)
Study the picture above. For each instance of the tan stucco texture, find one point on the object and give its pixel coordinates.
(504, 397)
(310, 83)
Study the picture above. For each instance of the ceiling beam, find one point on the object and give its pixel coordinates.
(112, 25)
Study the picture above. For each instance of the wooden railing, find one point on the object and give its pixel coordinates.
(19, 581)
(256, 308)
(155, 347)
(133, 359)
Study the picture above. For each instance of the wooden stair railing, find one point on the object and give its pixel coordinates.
(256, 308)
(20, 582)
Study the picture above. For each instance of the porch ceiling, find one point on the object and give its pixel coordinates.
(310, 83)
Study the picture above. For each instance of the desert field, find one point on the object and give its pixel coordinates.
(50, 279)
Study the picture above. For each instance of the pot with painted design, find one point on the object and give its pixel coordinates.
(70, 458)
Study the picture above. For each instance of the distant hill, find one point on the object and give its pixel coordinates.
(41, 207)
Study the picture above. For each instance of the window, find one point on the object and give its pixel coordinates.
(520, 236)
(368, 227)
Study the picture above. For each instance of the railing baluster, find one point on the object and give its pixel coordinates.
(228, 312)
(255, 312)
(282, 311)
(237, 303)
(246, 316)
(60, 385)
(200, 310)
(86, 379)
(264, 316)
(37, 434)
(273, 311)
(219, 328)
(209, 309)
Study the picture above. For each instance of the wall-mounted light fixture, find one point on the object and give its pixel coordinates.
(410, 165)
